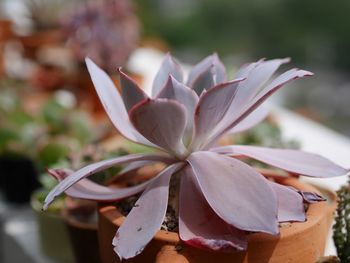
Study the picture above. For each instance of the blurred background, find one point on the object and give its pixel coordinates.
(313, 33)
(50, 115)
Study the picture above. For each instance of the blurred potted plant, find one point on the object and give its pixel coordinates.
(33, 140)
(44, 16)
(107, 31)
(53, 235)
(66, 129)
(219, 202)
(80, 216)
(17, 131)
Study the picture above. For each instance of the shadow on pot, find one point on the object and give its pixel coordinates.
(80, 217)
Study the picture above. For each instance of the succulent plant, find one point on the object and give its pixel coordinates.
(105, 30)
(341, 235)
(221, 198)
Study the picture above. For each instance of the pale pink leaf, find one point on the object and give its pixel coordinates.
(211, 63)
(211, 108)
(253, 119)
(168, 67)
(203, 228)
(236, 192)
(290, 204)
(162, 122)
(131, 93)
(113, 103)
(87, 189)
(177, 91)
(96, 167)
(134, 166)
(145, 218)
(244, 71)
(205, 81)
(294, 161)
(241, 109)
(255, 80)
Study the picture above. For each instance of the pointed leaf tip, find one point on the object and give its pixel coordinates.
(168, 67)
(131, 92)
(113, 103)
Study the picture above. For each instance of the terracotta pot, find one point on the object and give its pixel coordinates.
(36, 40)
(5, 34)
(298, 242)
(5, 29)
(82, 233)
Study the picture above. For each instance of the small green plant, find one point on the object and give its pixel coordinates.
(44, 136)
(341, 235)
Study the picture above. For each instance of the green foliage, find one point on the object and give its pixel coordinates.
(45, 136)
(341, 228)
(308, 31)
(51, 153)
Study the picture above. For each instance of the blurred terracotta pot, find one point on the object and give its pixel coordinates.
(5, 34)
(82, 230)
(36, 40)
(5, 29)
(298, 242)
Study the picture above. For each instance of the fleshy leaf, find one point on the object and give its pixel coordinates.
(131, 93)
(145, 218)
(236, 192)
(290, 204)
(211, 108)
(168, 67)
(177, 91)
(87, 189)
(204, 229)
(311, 198)
(251, 120)
(239, 111)
(113, 103)
(204, 81)
(294, 161)
(256, 79)
(211, 63)
(244, 71)
(96, 167)
(134, 166)
(161, 121)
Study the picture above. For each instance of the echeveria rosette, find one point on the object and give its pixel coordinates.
(184, 120)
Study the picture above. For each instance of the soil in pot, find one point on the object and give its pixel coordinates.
(81, 221)
(18, 178)
(298, 242)
(53, 235)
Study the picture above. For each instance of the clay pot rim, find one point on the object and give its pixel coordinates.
(314, 214)
(71, 220)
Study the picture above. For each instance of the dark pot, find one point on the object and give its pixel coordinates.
(82, 232)
(18, 178)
